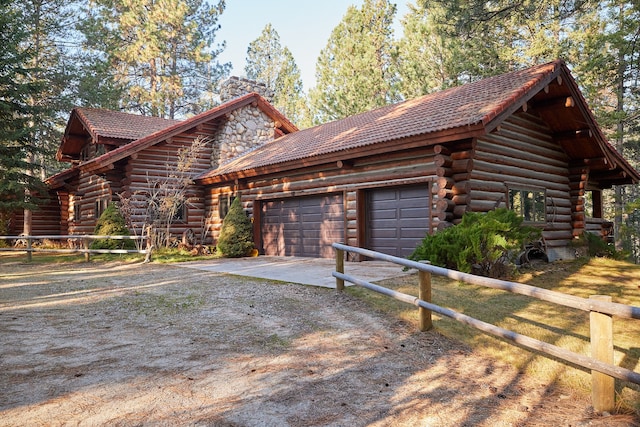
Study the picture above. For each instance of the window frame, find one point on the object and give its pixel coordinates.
(224, 203)
(101, 206)
(77, 212)
(535, 216)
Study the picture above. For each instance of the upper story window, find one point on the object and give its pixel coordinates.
(85, 154)
(89, 151)
(529, 203)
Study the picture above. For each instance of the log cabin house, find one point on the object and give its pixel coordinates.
(117, 155)
(382, 179)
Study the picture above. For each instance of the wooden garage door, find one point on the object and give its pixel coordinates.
(397, 219)
(302, 226)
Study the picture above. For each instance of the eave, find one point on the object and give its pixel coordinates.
(105, 161)
(446, 136)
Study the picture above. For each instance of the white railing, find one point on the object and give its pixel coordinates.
(84, 240)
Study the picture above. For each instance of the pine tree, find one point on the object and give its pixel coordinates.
(504, 35)
(355, 71)
(111, 223)
(236, 235)
(49, 24)
(607, 61)
(427, 60)
(160, 54)
(270, 63)
(19, 186)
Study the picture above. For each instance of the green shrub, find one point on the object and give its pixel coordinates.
(111, 223)
(236, 235)
(483, 243)
(598, 247)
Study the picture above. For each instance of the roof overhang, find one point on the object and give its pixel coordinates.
(106, 161)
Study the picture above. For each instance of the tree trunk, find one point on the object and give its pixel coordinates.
(617, 221)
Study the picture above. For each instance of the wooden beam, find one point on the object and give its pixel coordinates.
(573, 134)
(550, 103)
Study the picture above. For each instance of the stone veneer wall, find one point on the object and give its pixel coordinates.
(247, 127)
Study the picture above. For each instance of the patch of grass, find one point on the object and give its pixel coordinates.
(276, 342)
(166, 256)
(162, 256)
(562, 326)
(152, 304)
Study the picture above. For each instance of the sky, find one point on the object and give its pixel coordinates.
(304, 26)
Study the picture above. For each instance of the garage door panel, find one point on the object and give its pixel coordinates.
(417, 212)
(397, 219)
(308, 225)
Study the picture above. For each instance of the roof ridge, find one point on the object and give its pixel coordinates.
(465, 107)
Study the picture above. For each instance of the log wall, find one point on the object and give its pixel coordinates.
(91, 189)
(350, 177)
(156, 166)
(523, 154)
(44, 221)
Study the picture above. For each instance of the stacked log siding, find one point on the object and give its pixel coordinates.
(523, 154)
(350, 178)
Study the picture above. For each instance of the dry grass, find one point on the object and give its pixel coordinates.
(561, 326)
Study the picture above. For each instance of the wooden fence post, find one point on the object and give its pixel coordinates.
(602, 385)
(425, 295)
(29, 249)
(85, 243)
(339, 269)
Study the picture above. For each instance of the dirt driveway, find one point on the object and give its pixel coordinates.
(131, 345)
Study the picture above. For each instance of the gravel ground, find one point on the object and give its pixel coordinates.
(133, 345)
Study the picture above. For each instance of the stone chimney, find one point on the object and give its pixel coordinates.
(235, 87)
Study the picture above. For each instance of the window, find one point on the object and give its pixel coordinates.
(530, 204)
(224, 202)
(101, 206)
(77, 216)
(85, 153)
(180, 213)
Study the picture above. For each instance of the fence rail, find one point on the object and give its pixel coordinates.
(600, 307)
(85, 240)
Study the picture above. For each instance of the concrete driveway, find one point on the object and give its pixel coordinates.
(306, 271)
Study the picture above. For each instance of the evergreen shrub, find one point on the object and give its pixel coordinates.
(111, 223)
(598, 247)
(236, 235)
(486, 244)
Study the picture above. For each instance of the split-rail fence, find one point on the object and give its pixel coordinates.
(600, 307)
(83, 239)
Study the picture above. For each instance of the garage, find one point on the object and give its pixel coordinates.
(302, 226)
(397, 218)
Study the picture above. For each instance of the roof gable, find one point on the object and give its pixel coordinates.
(105, 126)
(103, 161)
(461, 112)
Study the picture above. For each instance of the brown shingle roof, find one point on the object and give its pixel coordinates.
(115, 124)
(175, 128)
(472, 105)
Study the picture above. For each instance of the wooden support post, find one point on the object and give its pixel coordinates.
(339, 269)
(425, 295)
(602, 385)
(29, 259)
(85, 243)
